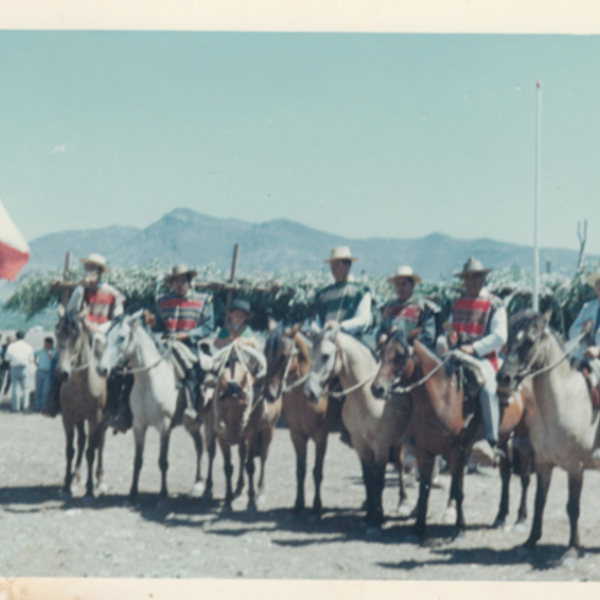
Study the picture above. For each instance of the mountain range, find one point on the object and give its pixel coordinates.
(184, 235)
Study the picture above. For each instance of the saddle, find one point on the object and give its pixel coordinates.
(468, 377)
(181, 357)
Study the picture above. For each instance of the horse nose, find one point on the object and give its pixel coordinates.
(102, 371)
(504, 379)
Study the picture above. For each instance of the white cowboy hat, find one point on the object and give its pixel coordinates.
(97, 260)
(592, 279)
(405, 272)
(472, 267)
(178, 270)
(341, 253)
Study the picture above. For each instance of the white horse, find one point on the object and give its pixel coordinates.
(155, 394)
(564, 426)
(374, 425)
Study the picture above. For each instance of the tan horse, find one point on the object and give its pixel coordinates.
(82, 398)
(249, 421)
(438, 422)
(374, 425)
(288, 363)
(564, 429)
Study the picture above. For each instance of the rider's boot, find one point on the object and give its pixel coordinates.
(120, 416)
(52, 406)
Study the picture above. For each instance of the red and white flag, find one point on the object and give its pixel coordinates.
(14, 251)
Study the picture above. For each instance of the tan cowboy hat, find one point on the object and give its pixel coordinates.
(178, 270)
(341, 253)
(405, 272)
(592, 279)
(472, 267)
(97, 260)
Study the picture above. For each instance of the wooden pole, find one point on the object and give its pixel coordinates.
(234, 263)
(65, 294)
(536, 237)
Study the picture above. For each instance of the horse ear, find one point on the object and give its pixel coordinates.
(61, 310)
(292, 331)
(315, 327)
(271, 324)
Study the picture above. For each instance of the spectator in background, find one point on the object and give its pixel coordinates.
(19, 355)
(43, 375)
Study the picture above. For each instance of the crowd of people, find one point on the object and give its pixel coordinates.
(477, 327)
(22, 366)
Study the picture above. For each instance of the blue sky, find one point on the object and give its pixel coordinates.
(364, 135)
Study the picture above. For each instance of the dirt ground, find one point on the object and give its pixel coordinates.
(43, 535)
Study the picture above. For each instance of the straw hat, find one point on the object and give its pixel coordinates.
(472, 267)
(405, 272)
(178, 270)
(341, 253)
(592, 279)
(97, 260)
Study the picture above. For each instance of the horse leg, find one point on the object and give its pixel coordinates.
(198, 445)
(525, 467)
(100, 485)
(505, 472)
(163, 461)
(425, 462)
(368, 481)
(320, 449)
(378, 483)
(211, 448)
(242, 453)
(575, 485)
(250, 470)
(300, 441)
(266, 437)
(228, 468)
(398, 454)
(544, 475)
(81, 439)
(457, 466)
(70, 452)
(139, 434)
(94, 436)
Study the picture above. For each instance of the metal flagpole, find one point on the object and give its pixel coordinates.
(536, 218)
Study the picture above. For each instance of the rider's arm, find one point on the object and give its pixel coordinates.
(585, 314)
(75, 303)
(497, 337)
(206, 327)
(360, 322)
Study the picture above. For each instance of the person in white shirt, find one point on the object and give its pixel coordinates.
(588, 318)
(19, 356)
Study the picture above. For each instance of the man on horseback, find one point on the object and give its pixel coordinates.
(344, 301)
(188, 317)
(588, 351)
(415, 316)
(479, 329)
(103, 303)
(236, 326)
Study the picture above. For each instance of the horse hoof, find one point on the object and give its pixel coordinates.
(251, 508)
(449, 516)
(404, 511)
(373, 531)
(88, 500)
(570, 558)
(197, 491)
(101, 488)
(519, 527)
(226, 510)
(499, 523)
(413, 538)
(207, 495)
(65, 494)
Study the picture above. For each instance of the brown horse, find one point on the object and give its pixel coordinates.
(249, 422)
(438, 423)
(82, 398)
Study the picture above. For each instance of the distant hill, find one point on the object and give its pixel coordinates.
(184, 235)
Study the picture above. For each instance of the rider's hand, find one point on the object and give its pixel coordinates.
(452, 338)
(592, 352)
(149, 319)
(467, 349)
(587, 326)
(181, 335)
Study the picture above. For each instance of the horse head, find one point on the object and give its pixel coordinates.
(527, 333)
(119, 342)
(71, 333)
(324, 363)
(395, 355)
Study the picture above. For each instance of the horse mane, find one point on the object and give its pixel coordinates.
(274, 343)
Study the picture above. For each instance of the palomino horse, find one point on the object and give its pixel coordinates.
(374, 425)
(564, 429)
(248, 420)
(154, 396)
(82, 398)
(288, 362)
(438, 422)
